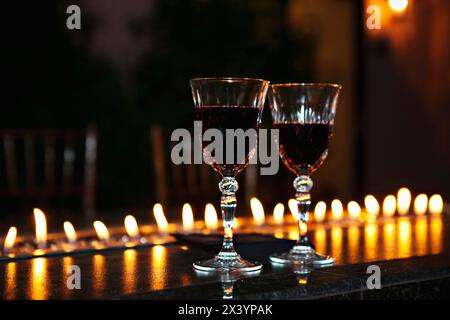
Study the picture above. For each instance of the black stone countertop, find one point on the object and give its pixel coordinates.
(413, 255)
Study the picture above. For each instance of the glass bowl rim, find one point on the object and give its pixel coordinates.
(307, 84)
(229, 79)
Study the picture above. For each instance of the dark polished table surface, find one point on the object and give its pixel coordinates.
(412, 252)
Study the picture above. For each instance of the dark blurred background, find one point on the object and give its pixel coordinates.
(127, 70)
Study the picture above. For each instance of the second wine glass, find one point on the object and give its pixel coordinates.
(304, 115)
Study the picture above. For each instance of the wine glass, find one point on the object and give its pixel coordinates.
(304, 115)
(222, 104)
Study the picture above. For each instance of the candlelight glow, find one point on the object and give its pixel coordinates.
(293, 207)
(10, 239)
(41, 227)
(398, 5)
(161, 221)
(278, 213)
(389, 205)
(420, 204)
(403, 201)
(101, 230)
(354, 210)
(436, 204)
(211, 220)
(372, 206)
(131, 226)
(257, 211)
(337, 210)
(188, 218)
(319, 211)
(70, 232)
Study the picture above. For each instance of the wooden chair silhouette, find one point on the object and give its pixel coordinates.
(38, 165)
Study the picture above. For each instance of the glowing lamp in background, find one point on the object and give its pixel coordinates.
(10, 239)
(188, 218)
(398, 6)
(278, 213)
(436, 204)
(211, 220)
(337, 210)
(131, 226)
(320, 211)
(354, 210)
(101, 230)
(421, 204)
(389, 206)
(257, 211)
(41, 228)
(403, 201)
(161, 221)
(70, 232)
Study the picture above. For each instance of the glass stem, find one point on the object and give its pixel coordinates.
(228, 186)
(303, 185)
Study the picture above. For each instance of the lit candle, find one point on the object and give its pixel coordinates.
(131, 226)
(389, 205)
(420, 204)
(70, 232)
(278, 213)
(10, 240)
(403, 201)
(188, 218)
(41, 228)
(211, 220)
(101, 230)
(320, 211)
(257, 211)
(354, 210)
(436, 204)
(161, 221)
(337, 210)
(372, 207)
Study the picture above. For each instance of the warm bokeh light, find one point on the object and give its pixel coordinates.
(101, 230)
(421, 204)
(257, 211)
(372, 205)
(188, 218)
(211, 220)
(354, 210)
(41, 228)
(436, 204)
(131, 226)
(293, 207)
(70, 232)
(403, 201)
(278, 213)
(10, 239)
(337, 210)
(398, 5)
(389, 206)
(161, 221)
(320, 211)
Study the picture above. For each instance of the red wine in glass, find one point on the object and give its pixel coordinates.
(222, 118)
(303, 147)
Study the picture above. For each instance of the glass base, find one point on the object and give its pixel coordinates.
(235, 264)
(303, 255)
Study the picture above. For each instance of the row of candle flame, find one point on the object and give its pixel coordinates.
(391, 204)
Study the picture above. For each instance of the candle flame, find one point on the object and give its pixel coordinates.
(188, 218)
(372, 206)
(278, 213)
(257, 211)
(389, 205)
(70, 232)
(337, 210)
(354, 210)
(436, 204)
(403, 200)
(320, 211)
(398, 5)
(41, 228)
(101, 230)
(161, 221)
(10, 239)
(420, 204)
(211, 220)
(293, 207)
(131, 226)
